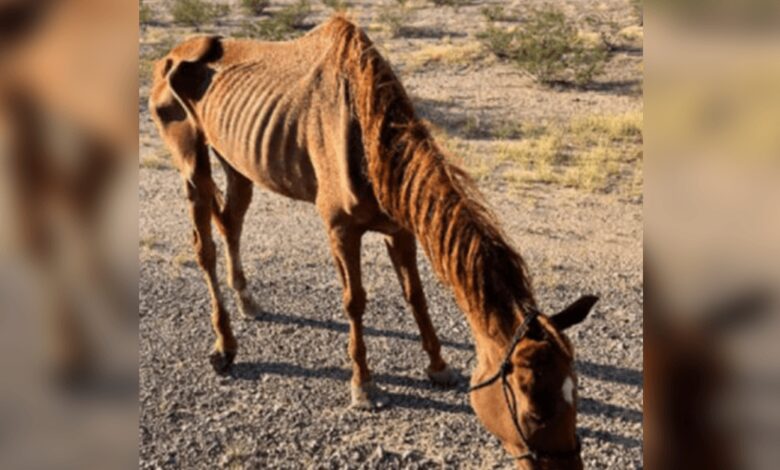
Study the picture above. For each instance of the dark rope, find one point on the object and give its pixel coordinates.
(509, 394)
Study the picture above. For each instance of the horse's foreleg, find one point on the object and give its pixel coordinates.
(403, 253)
(200, 193)
(345, 247)
(230, 221)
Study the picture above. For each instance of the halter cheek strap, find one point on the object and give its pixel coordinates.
(510, 399)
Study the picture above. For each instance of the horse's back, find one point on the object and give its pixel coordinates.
(278, 112)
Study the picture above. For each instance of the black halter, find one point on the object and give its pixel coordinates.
(511, 400)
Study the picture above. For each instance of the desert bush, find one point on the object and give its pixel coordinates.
(337, 5)
(196, 12)
(493, 13)
(501, 42)
(548, 46)
(145, 14)
(255, 7)
(284, 24)
(293, 16)
(449, 3)
(394, 16)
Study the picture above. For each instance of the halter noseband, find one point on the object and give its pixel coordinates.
(511, 401)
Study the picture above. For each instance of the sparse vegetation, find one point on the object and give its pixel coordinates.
(449, 3)
(471, 127)
(494, 13)
(287, 23)
(294, 16)
(549, 47)
(197, 12)
(255, 7)
(149, 54)
(394, 16)
(621, 128)
(448, 54)
(337, 5)
(154, 161)
(594, 153)
(145, 14)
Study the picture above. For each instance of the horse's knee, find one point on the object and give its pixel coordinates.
(200, 191)
(205, 250)
(416, 297)
(355, 303)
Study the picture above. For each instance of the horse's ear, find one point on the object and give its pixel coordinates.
(574, 313)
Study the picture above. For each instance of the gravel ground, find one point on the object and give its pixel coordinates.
(285, 403)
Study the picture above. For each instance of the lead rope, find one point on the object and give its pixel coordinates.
(511, 399)
(506, 388)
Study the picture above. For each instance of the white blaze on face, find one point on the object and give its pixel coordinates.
(568, 390)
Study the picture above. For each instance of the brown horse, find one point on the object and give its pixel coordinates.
(324, 119)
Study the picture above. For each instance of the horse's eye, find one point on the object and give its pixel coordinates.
(534, 418)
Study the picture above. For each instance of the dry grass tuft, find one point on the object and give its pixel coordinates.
(445, 54)
(593, 153)
(617, 128)
(154, 161)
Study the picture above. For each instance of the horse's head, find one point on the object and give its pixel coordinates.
(525, 392)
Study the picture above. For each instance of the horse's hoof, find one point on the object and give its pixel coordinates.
(247, 306)
(368, 397)
(222, 361)
(447, 377)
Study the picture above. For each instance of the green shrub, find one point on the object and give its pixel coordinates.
(394, 17)
(255, 7)
(494, 13)
(270, 30)
(145, 14)
(337, 5)
(294, 15)
(449, 3)
(501, 42)
(548, 46)
(196, 12)
(284, 24)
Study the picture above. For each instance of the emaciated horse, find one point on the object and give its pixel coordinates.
(324, 119)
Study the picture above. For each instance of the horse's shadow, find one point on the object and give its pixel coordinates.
(594, 370)
(253, 371)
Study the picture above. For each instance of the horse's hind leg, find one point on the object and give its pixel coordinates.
(230, 221)
(201, 193)
(403, 252)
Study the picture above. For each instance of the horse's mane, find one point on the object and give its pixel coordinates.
(422, 190)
